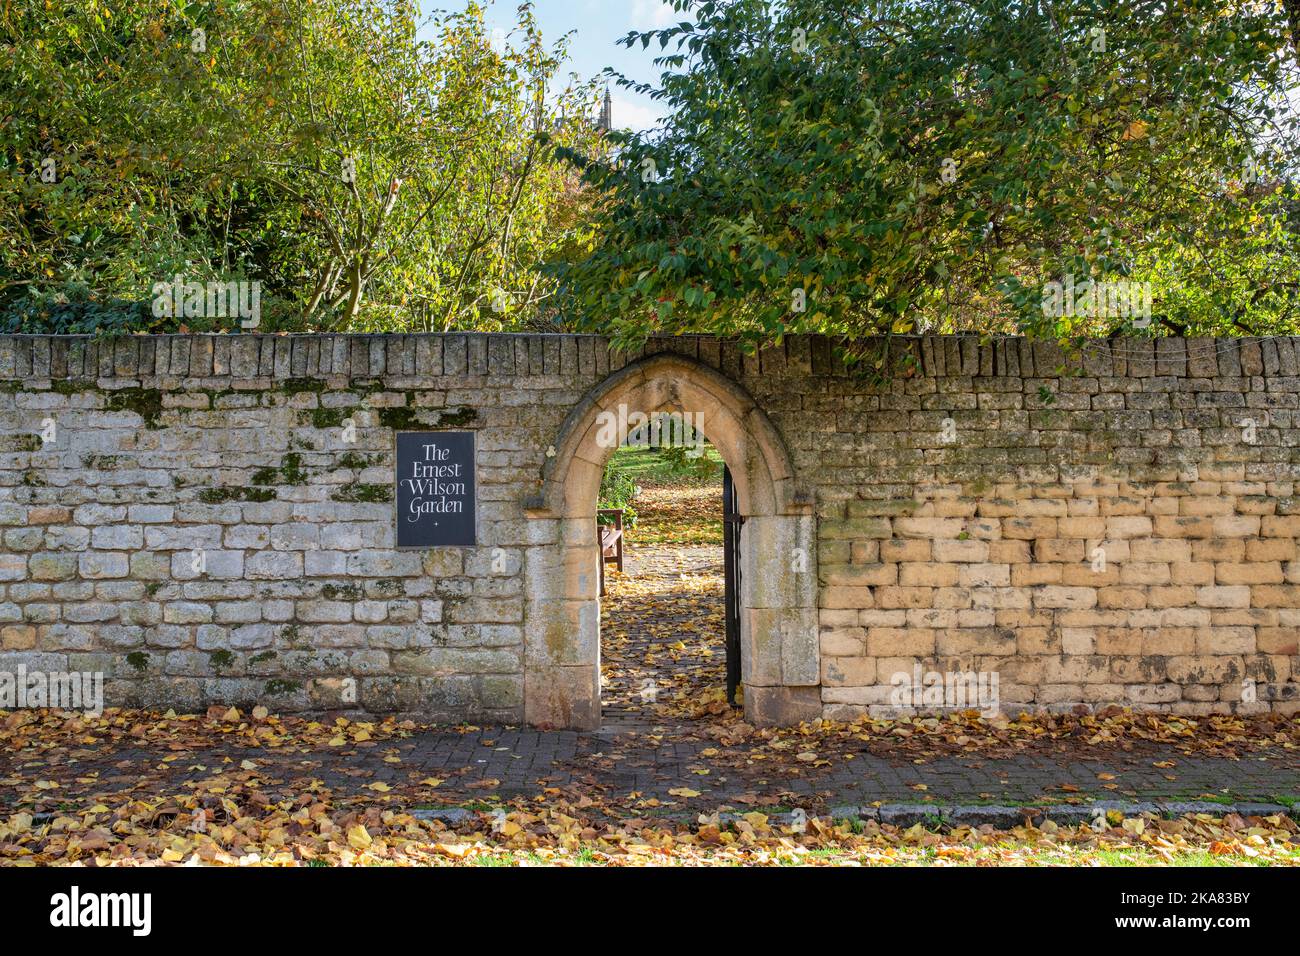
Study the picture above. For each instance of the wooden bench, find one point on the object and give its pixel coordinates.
(610, 538)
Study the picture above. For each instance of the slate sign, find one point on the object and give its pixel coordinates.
(435, 489)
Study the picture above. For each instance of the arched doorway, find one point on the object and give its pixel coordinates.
(778, 596)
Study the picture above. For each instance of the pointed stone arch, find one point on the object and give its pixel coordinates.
(778, 619)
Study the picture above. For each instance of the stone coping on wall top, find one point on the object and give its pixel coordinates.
(373, 355)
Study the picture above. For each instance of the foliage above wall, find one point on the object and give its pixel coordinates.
(367, 169)
(923, 165)
(841, 166)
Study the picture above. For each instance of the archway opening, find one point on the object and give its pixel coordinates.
(668, 588)
(777, 637)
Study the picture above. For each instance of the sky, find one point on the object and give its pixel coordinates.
(597, 24)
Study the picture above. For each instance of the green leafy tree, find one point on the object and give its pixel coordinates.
(421, 169)
(371, 169)
(924, 165)
(92, 203)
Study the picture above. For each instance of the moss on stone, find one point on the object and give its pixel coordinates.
(457, 418)
(361, 492)
(101, 462)
(357, 462)
(341, 592)
(278, 685)
(289, 472)
(214, 394)
(139, 660)
(399, 419)
(410, 416)
(145, 402)
(28, 442)
(386, 588)
(329, 417)
(262, 658)
(295, 386)
(220, 659)
(217, 496)
(72, 386)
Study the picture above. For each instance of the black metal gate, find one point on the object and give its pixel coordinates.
(731, 522)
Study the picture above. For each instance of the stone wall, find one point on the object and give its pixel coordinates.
(1114, 527)
(1117, 526)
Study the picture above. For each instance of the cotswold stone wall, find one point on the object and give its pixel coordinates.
(211, 520)
(1116, 527)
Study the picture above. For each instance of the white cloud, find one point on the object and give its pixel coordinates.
(651, 15)
(633, 116)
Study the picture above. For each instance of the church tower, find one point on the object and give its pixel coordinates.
(606, 121)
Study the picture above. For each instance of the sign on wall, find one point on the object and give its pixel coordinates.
(435, 489)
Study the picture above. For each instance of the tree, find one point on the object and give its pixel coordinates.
(371, 170)
(421, 167)
(905, 165)
(1293, 16)
(91, 203)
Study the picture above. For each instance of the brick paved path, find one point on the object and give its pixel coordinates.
(490, 764)
(496, 763)
(524, 760)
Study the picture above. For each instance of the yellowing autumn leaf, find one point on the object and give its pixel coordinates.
(358, 837)
(683, 792)
(1136, 129)
(378, 786)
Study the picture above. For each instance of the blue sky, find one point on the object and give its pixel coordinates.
(597, 24)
